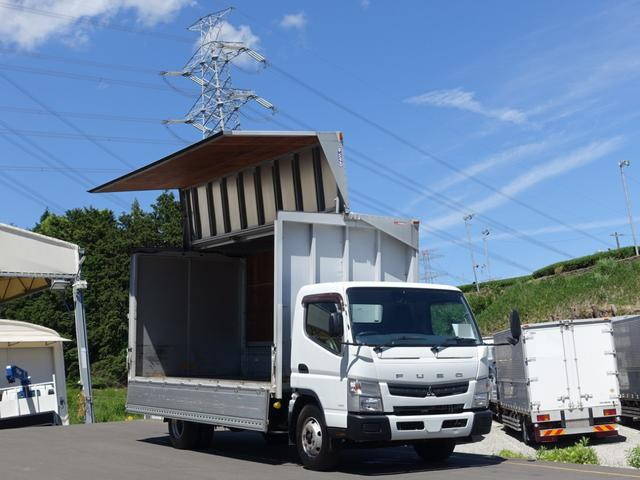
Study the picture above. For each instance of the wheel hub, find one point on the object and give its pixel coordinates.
(312, 437)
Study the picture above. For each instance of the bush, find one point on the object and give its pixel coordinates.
(583, 262)
(633, 457)
(581, 452)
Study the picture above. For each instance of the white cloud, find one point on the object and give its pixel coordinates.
(510, 155)
(537, 174)
(296, 21)
(229, 33)
(463, 100)
(365, 4)
(65, 20)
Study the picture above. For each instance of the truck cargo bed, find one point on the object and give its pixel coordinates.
(241, 404)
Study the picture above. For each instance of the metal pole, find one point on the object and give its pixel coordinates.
(485, 241)
(466, 219)
(617, 235)
(622, 164)
(83, 347)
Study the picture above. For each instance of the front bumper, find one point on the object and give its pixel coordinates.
(384, 428)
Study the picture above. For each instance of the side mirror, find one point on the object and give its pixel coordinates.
(336, 327)
(515, 327)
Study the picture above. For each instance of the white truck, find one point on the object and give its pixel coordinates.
(559, 380)
(626, 336)
(289, 315)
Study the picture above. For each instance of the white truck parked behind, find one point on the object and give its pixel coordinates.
(289, 315)
(626, 337)
(559, 380)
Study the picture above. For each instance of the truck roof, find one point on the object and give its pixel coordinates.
(344, 285)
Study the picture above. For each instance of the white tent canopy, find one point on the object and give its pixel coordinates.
(14, 331)
(29, 261)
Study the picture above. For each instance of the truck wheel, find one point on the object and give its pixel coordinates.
(435, 450)
(205, 437)
(312, 440)
(525, 432)
(183, 435)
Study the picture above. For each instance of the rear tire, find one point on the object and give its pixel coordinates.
(205, 437)
(525, 432)
(435, 450)
(314, 445)
(183, 435)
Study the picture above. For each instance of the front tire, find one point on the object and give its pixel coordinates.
(435, 450)
(183, 435)
(314, 445)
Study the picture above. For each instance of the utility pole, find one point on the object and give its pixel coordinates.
(622, 164)
(617, 235)
(485, 238)
(218, 104)
(467, 219)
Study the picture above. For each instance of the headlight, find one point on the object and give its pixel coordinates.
(481, 394)
(364, 396)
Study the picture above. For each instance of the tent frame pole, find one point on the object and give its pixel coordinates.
(83, 348)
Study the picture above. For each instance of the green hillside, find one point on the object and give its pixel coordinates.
(609, 287)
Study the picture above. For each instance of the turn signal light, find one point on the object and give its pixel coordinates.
(543, 418)
(609, 412)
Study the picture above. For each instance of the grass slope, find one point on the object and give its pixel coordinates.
(609, 287)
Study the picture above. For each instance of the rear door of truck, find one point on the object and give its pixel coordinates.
(549, 383)
(174, 299)
(592, 364)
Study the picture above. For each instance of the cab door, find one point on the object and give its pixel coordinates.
(317, 361)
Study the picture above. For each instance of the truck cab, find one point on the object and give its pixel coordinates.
(389, 362)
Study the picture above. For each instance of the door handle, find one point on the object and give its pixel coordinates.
(302, 368)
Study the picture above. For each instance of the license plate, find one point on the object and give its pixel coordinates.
(581, 423)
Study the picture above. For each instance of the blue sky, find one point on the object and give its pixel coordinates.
(531, 107)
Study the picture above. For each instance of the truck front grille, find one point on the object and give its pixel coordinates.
(422, 391)
(429, 410)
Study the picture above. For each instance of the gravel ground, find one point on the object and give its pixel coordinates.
(611, 452)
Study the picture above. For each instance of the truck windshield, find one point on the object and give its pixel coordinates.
(410, 316)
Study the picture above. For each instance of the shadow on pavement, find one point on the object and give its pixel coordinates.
(252, 447)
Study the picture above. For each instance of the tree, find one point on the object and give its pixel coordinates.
(108, 243)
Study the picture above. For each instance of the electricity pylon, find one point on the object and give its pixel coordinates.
(217, 106)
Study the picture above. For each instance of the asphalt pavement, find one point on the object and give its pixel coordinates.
(140, 450)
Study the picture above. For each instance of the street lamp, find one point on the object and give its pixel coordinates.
(622, 164)
(467, 219)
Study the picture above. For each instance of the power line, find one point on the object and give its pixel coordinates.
(68, 123)
(52, 161)
(342, 107)
(390, 133)
(84, 77)
(384, 208)
(408, 183)
(77, 61)
(91, 137)
(38, 168)
(26, 191)
(83, 115)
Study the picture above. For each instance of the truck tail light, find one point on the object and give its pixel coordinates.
(543, 418)
(609, 412)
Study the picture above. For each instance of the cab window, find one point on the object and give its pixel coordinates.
(317, 321)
